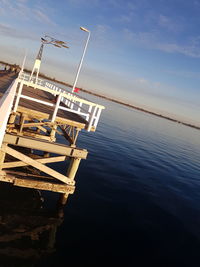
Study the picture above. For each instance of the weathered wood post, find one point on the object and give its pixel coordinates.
(2, 157)
(71, 173)
(53, 133)
(12, 118)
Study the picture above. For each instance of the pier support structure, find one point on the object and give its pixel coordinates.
(29, 144)
(71, 173)
(33, 127)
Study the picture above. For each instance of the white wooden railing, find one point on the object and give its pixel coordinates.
(88, 110)
(6, 104)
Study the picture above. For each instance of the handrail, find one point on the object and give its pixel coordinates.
(41, 85)
(6, 104)
(90, 110)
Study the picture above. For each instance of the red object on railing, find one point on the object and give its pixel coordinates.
(76, 90)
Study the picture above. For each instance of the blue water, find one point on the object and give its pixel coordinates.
(137, 198)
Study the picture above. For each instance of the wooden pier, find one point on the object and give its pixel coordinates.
(33, 115)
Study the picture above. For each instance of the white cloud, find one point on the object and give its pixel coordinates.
(80, 3)
(145, 38)
(165, 22)
(131, 6)
(187, 49)
(184, 74)
(102, 29)
(20, 9)
(154, 40)
(126, 18)
(114, 3)
(197, 4)
(101, 33)
(141, 81)
(11, 32)
(170, 24)
(42, 17)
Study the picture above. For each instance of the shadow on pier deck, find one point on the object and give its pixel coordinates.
(34, 115)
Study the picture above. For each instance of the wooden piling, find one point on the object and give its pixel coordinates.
(71, 173)
(2, 158)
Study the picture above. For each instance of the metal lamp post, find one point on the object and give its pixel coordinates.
(47, 40)
(81, 61)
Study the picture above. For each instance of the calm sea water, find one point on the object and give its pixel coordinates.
(137, 198)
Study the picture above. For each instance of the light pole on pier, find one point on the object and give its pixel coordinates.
(81, 61)
(47, 40)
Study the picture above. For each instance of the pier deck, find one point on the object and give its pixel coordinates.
(33, 115)
(45, 112)
(6, 79)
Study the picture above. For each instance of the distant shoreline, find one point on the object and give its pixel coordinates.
(141, 109)
(111, 99)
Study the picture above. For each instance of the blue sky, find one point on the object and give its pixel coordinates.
(144, 52)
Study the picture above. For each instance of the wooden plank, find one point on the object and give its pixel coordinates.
(6, 178)
(29, 174)
(37, 184)
(37, 165)
(33, 113)
(14, 164)
(41, 185)
(29, 133)
(42, 129)
(33, 134)
(42, 115)
(2, 158)
(36, 124)
(45, 146)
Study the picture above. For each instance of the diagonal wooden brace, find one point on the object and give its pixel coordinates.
(37, 164)
(14, 164)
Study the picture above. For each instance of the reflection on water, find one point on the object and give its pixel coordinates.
(27, 230)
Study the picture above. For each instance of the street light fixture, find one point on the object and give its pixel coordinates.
(84, 29)
(44, 41)
(81, 61)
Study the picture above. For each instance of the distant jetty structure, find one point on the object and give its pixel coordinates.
(34, 113)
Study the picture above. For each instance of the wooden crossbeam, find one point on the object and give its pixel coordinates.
(26, 174)
(36, 164)
(44, 116)
(14, 164)
(36, 124)
(37, 184)
(68, 138)
(30, 133)
(45, 146)
(42, 129)
(41, 185)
